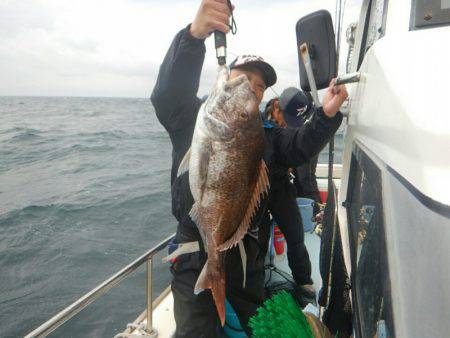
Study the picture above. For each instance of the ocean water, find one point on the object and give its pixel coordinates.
(84, 190)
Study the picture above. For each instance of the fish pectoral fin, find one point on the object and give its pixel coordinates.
(217, 129)
(184, 164)
(183, 248)
(261, 188)
(193, 214)
(203, 282)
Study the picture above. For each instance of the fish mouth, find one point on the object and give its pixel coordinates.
(236, 82)
(240, 84)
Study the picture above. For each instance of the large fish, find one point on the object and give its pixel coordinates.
(227, 175)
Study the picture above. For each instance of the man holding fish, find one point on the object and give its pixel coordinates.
(222, 163)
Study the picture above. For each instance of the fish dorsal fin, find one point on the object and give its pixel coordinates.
(261, 188)
(184, 164)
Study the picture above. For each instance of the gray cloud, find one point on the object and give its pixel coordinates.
(22, 16)
(85, 45)
(115, 47)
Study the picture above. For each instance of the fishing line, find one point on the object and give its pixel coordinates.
(273, 90)
(233, 26)
(335, 15)
(343, 10)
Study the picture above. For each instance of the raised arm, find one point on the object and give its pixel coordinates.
(175, 93)
(294, 147)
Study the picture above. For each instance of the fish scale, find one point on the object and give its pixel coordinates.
(227, 175)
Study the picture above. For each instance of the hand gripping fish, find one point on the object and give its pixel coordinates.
(227, 175)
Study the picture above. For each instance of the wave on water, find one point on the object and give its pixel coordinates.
(23, 134)
(84, 190)
(104, 135)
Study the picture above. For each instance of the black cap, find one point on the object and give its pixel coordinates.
(294, 103)
(270, 77)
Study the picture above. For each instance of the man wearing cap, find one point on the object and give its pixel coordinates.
(176, 104)
(297, 108)
(282, 198)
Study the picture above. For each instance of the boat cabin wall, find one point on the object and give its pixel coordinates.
(399, 117)
(398, 109)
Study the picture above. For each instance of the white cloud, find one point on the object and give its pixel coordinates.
(115, 47)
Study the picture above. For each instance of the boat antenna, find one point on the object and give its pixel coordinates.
(338, 17)
(338, 26)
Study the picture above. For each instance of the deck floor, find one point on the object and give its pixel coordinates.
(312, 242)
(163, 318)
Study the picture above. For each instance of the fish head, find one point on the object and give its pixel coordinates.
(233, 103)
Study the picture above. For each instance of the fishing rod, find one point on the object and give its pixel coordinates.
(220, 39)
(348, 78)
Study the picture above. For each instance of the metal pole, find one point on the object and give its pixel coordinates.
(348, 78)
(304, 52)
(330, 272)
(149, 296)
(61, 317)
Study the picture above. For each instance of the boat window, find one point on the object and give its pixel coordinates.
(429, 13)
(338, 147)
(368, 248)
(375, 25)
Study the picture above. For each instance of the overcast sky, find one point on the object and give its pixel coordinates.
(115, 47)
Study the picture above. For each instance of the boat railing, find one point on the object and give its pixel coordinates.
(70, 311)
(322, 170)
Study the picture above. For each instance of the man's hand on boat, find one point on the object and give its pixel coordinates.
(212, 15)
(334, 98)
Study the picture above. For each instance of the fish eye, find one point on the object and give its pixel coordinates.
(244, 115)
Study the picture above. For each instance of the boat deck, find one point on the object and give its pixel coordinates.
(163, 318)
(312, 242)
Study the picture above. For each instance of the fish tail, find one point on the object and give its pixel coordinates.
(214, 280)
(218, 292)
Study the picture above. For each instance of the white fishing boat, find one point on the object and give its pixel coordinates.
(392, 205)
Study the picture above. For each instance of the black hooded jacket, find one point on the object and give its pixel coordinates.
(176, 104)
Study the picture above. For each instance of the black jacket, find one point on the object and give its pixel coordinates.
(176, 104)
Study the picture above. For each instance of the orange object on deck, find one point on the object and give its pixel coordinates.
(323, 196)
(279, 243)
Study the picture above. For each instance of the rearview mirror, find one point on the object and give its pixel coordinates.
(316, 30)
